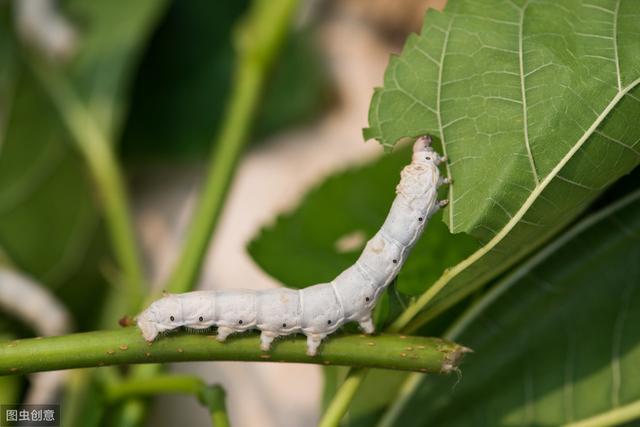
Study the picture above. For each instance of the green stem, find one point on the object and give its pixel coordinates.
(126, 346)
(131, 414)
(104, 168)
(341, 401)
(160, 384)
(258, 42)
(213, 397)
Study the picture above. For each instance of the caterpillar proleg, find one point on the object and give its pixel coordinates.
(319, 310)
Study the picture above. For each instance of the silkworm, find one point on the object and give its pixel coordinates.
(319, 310)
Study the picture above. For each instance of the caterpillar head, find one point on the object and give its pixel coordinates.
(423, 152)
(163, 315)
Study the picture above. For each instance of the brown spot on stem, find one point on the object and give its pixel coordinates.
(14, 369)
(147, 354)
(421, 347)
(180, 350)
(403, 354)
(111, 352)
(265, 356)
(124, 347)
(12, 344)
(409, 348)
(101, 363)
(371, 344)
(403, 337)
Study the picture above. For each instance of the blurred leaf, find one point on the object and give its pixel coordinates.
(303, 247)
(113, 33)
(555, 342)
(7, 73)
(9, 389)
(47, 216)
(84, 403)
(532, 100)
(299, 89)
(183, 82)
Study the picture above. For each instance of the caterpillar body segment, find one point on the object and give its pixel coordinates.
(319, 310)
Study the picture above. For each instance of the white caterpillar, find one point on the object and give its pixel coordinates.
(321, 309)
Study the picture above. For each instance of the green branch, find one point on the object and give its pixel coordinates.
(126, 346)
(211, 396)
(257, 43)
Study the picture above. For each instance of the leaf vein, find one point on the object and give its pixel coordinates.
(615, 44)
(523, 94)
(445, 45)
(616, 141)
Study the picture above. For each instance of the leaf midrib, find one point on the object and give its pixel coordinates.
(445, 43)
(615, 44)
